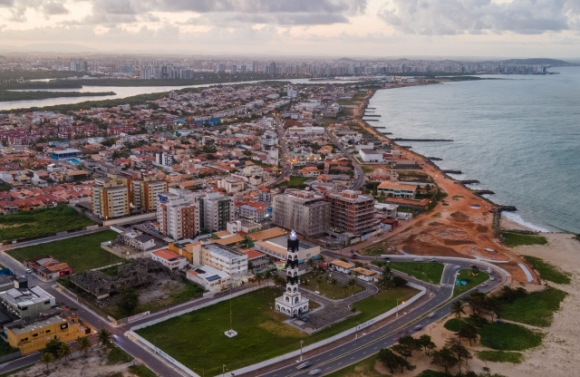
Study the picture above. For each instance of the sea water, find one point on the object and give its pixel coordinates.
(519, 135)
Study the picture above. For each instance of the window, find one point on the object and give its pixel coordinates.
(34, 335)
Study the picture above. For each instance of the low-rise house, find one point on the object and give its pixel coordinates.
(169, 259)
(365, 274)
(210, 278)
(341, 266)
(48, 268)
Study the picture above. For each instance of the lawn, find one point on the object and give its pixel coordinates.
(509, 336)
(501, 356)
(364, 368)
(536, 309)
(261, 331)
(41, 222)
(296, 182)
(511, 239)
(548, 271)
(81, 253)
(326, 288)
(141, 371)
(118, 356)
(472, 281)
(429, 272)
(454, 324)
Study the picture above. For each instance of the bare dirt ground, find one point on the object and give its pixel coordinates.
(95, 365)
(461, 225)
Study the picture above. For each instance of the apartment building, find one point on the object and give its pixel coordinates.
(111, 198)
(145, 193)
(26, 303)
(216, 210)
(223, 258)
(303, 211)
(397, 190)
(178, 214)
(352, 212)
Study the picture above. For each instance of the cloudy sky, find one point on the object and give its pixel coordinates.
(389, 28)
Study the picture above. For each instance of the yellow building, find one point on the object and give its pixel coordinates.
(35, 336)
(111, 197)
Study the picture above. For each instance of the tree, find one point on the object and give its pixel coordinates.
(469, 332)
(258, 278)
(53, 347)
(459, 350)
(477, 302)
(84, 344)
(457, 309)
(250, 266)
(392, 360)
(128, 301)
(387, 278)
(46, 359)
(64, 351)
(104, 337)
(406, 346)
(426, 343)
(444, 358)
(279, 280)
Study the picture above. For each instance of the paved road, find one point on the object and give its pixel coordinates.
(284, 155)
(359, 175)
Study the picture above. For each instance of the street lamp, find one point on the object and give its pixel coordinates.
(402, 302)
(224, 370)
(301, 342)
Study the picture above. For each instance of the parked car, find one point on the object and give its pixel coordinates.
(314, 372)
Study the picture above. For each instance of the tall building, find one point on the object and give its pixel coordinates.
(217, 211)
(145, 193)
(178, 214)
(111, 198)
(303, 211)
(351, 212)
(292, 303)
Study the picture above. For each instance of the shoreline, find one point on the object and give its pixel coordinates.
(514, 220)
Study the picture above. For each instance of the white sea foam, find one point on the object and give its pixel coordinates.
(518, 219)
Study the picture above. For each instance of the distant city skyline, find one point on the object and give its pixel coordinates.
(333, 28)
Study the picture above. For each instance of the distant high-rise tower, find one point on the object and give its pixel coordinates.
(292, 303)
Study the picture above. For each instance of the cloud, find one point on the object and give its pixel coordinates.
(53, 9)
(449, 17)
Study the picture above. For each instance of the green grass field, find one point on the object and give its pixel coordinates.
(472, 281)
(430, 272)
(548, 271)
(141, 371)
(261, 331)
(501, 356)
(41, 222)
(118, 356)
(536, 309)
(81, 253)
(325, 287)
(509, 336)
(517, 239)
(454, 324)
(295, 182)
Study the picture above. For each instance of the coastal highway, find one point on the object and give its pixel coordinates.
(366, 344)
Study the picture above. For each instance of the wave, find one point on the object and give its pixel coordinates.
(518, 219)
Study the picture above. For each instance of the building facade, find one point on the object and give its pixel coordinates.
(351, 212)
(305, 212)
(111, 198)
(178, 214)
(217, 211)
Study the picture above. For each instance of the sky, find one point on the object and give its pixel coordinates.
(333, 28)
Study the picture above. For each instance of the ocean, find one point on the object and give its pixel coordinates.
(519, 135)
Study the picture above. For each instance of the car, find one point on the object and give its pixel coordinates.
(491, 278)
(314, 372)
(418, 259)
(433, 260)
(431, 315)
(418, 327)
(456, 267)
(305, 364)
(28, 271)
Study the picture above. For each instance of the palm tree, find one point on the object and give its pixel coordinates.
(457, 309)
(258, 278)
(84, 344)
(64, 351)
(47, 358)
(104, 337)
